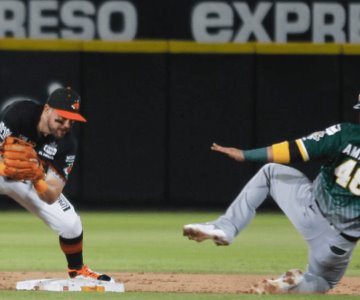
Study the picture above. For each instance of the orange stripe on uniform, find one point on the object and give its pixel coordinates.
(302, 149)
(71, 249)
(281, 152)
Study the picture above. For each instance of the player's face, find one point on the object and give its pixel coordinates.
(59, 126)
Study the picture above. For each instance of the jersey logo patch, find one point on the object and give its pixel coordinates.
(4, 131)
(316, 136)
(333, 129)
(49, 151)
(68, 169)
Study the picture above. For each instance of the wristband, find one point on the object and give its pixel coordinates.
(259, 154)
(40, 186)
(2, 169)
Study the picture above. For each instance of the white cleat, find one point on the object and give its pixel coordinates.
(282, 285)
(201, 232)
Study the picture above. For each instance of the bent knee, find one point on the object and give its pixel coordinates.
(72, 228)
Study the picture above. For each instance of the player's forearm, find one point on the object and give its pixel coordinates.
(284, 152)
(47, 191)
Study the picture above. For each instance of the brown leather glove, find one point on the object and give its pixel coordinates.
(20, 160)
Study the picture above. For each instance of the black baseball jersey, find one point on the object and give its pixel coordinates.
(21, 119)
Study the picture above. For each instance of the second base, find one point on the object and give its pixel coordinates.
(70, 285)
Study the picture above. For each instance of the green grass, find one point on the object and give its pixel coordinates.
(150, 241)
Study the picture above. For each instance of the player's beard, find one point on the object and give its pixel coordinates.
(58, 131)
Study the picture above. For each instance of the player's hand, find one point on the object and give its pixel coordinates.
(233, 153)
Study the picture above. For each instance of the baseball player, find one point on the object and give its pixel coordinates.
(38, 150)
(326, 212)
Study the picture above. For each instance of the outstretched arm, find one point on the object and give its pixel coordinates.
(233, 153)
(275, 153)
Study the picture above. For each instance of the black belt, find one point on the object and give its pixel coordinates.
(344, 235)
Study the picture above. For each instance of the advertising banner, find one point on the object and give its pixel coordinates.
(219, 21)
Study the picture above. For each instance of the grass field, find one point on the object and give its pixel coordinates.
(153, 242)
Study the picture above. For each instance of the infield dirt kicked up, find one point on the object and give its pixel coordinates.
(178, 282)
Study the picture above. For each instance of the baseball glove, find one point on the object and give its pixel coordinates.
(20, 160)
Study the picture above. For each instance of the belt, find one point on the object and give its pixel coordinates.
(349, 238)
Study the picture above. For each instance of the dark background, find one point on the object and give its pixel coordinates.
(152, 117)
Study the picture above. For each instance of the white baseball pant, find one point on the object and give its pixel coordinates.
(59, 216)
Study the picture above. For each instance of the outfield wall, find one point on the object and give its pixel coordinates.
(159, 95)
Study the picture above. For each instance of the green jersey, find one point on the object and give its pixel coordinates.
(337, 187)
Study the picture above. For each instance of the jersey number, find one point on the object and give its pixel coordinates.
(346, 179)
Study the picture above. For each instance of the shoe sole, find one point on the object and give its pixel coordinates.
(199, 236)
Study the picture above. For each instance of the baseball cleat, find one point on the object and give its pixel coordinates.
(201, 232)
(86, 273)
(282, 285)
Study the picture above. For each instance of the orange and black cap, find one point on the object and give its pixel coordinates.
(66, 103)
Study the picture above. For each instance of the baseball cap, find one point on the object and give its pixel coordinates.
(66, 103)
(357, 105)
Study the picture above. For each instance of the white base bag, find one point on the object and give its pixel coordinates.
(70, 285)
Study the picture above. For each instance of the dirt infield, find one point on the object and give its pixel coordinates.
(177, 282)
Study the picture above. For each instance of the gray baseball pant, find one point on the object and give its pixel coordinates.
(328, 252)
